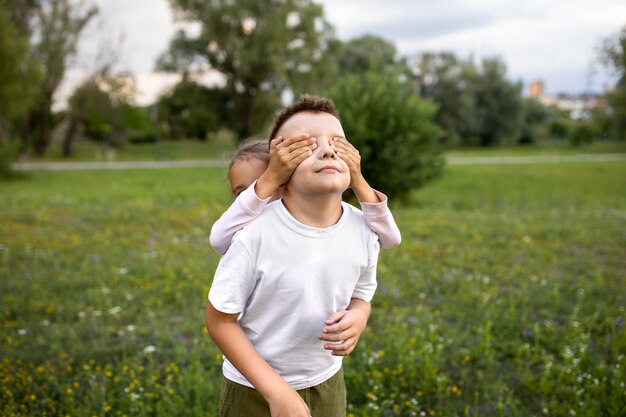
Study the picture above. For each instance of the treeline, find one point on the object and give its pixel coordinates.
(265, 51)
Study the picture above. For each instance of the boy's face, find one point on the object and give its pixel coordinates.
(323, 171)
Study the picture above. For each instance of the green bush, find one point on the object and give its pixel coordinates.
(559, 129)
(393, 129)
(581, 135)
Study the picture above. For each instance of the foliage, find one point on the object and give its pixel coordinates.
(613, 55)
(581, 134)
(94, 108)
(535, 114)
(393, 129)
(505, 297)
(365, 54)
(57, 26)
(191, 110)
(477, 104)
(443, 78)
(498, 110)
(17, 76)
(102, 109)
(259, 46)
(558, 128)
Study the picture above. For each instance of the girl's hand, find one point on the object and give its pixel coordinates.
(285, 156)
(346, 327)
(350, 155)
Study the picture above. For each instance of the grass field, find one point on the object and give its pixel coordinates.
(507, 296)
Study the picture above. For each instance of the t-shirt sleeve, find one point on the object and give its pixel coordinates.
(380, 220)
(366, 284)
(234, 280)
(246, 207)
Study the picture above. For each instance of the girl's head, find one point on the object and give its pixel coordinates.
(249, 162)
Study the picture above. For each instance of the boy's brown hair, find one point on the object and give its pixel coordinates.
(304, 103)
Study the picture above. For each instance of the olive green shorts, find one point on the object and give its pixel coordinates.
(327, 399)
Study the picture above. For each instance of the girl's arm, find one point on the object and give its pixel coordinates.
(379, 218)
(373, 203)
(285, 155)
(246, 207)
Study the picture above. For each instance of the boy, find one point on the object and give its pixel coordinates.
(306, 256)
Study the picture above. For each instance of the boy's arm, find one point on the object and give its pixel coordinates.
(246, 207)
(373, 203)
(232, 341)
(346, 327)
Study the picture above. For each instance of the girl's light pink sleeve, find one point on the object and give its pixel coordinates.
(246, 207)
(380, 220)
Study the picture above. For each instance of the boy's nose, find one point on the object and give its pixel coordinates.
(325, 150)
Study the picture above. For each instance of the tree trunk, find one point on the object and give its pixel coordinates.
(70, 136)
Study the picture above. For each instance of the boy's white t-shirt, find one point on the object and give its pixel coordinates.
(286, 278)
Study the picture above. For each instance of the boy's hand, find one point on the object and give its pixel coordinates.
(351, 156)
(286, 402)
(346, 327)
(285, 156)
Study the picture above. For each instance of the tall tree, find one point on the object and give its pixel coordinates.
(18, 74)
(498, 112)
(613, 55)
(443, 78)
(259, 46)
(56, 30)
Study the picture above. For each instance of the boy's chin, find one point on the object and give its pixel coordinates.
(323, 188)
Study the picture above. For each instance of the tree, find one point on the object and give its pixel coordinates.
(393, 129)
(17, 77)
(191, 110)
(56, 31)
(102, 108)
(613, 56)
(443, 78)
(498, 108)
(259, 46)
(535, 114)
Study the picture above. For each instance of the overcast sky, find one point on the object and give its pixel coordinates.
(554, 41)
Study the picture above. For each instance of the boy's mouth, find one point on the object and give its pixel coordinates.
(329, 168)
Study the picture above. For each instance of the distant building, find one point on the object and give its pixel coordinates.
(578, 105)
(536, 89)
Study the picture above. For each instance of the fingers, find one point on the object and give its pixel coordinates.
(348, 153)
(275, 142)
(344, 348)
(297, 142)
(335, 317)
(341, 144)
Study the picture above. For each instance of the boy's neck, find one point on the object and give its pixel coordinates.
(319, 210)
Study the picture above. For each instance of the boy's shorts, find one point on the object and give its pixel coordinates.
(327, 399)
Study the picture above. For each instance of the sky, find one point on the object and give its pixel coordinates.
(553, 41)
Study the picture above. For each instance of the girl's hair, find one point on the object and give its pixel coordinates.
(252, 148)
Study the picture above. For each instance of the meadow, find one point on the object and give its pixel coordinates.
(507, 296)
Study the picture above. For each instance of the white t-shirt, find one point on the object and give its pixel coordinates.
(286, 278)
(247, 207)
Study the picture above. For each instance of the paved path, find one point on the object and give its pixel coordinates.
(458, 160)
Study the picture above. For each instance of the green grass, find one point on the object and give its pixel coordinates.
(543, 148)
(165, 150)
(506, 298)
